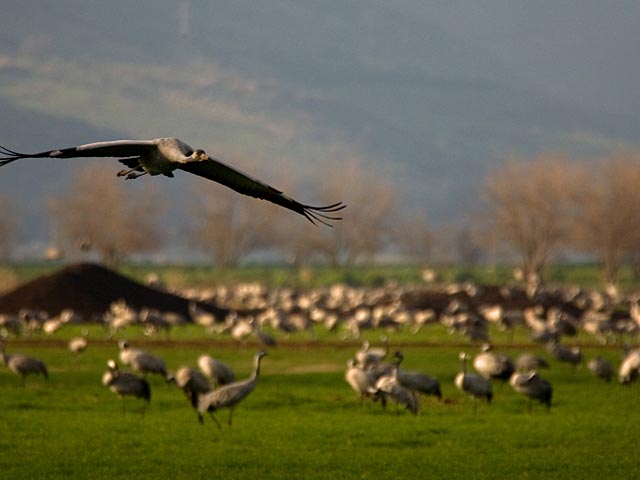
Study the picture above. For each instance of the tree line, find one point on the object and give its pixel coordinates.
(531, 209)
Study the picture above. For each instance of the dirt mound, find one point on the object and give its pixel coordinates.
(89, 289)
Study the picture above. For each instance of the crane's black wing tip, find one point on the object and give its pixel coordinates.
(321, 214)
(9, 156)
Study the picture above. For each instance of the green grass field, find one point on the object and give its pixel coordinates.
(179, 276)
(304, 421)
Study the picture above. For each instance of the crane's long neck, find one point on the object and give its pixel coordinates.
(463, 365)
(256, 366)
(3, 356)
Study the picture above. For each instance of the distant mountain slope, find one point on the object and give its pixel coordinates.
(434, 93)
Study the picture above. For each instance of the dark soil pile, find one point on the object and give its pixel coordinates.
(89, 289)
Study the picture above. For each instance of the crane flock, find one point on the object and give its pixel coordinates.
(377, 373)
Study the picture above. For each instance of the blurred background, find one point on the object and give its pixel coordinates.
(455, 131)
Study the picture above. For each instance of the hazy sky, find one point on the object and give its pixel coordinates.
(434, 92)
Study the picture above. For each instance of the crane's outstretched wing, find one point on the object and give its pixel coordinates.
(242, 183)
(116, 148)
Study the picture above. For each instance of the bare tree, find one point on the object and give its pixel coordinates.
(7, 226)
(606, 216)
(229, 226)
(412, 236)
(367, 223)
(113, 217)
(526, 205)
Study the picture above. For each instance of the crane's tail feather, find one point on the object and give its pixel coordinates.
(321, 214)
(10, 156)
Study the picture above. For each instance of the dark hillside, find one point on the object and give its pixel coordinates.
(89, 289)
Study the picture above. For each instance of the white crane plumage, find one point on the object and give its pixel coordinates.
(162, 156)
(492, 365)
(629, 369)
(125, 383)
(79, 344)
(228, 396)
(362, 382)
(22, 365)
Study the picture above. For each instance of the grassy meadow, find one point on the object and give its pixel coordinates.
(304, 421)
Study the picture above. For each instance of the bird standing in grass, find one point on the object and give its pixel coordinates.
(601, 368)
(533, 386)
(162, 156)
(228, 396)
(193, 383)
(472, 384)
(361, 381)
(125, 383)
(493, 365)
(22, 365)
(78, 345)
(141, 361)
(417, 381)
(218, 371)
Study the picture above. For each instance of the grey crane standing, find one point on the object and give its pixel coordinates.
(228, 396)
(141, 361)
(533, 386)
(369, 356)
(125, 383)
(528, 361)
(22, 365)
(417, 381)
(360, 380)
(471, 383)
(493, 365)
(563, 353)
(79, 344)
(162, 156)
(218, 371)
(629, 369)
(601, 368)
(193, 383)
(390, 386)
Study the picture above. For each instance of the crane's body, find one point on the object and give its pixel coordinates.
(125, 383)
(228, 396)
(162, 156)
(141, 361)
(22, 365)
(533, 386)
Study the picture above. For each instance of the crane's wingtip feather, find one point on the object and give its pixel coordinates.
(10, 156)
(320, 214)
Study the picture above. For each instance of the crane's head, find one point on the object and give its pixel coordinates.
(200, 154)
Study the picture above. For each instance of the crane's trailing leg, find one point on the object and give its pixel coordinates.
(134, 175)
(213, 417)
(230, 415)
(126, 172)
